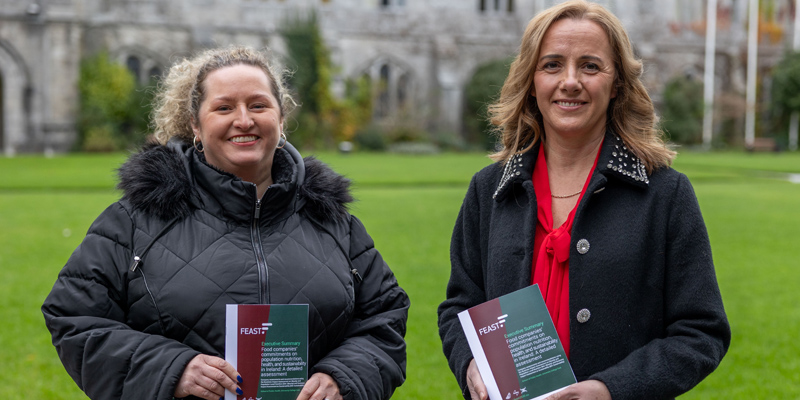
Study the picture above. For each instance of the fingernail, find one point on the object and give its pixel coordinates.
(239, 378)
(239, 391)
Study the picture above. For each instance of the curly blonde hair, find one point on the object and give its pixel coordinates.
(631, 115)
(179, 95)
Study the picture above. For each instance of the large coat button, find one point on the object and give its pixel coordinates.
(583, 246)
(584, 315)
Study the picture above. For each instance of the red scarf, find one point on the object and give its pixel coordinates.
(551, 266)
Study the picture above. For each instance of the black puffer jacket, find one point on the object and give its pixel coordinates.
(203, 241)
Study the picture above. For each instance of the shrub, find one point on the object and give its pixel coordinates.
(323, 119)
(113, 110)
(449, 141)
(370, 138)
(785, 91)
(682, 110)
(99, 138)
(483, 89)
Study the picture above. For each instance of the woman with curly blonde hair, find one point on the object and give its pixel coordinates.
(583, 203)
(221, 209)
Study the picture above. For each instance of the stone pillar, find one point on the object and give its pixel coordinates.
(14, 91)
(450, 84)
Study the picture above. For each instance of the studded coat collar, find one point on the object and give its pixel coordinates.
(616, 160)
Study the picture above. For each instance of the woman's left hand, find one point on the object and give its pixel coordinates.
(586, 390)
(320, 387)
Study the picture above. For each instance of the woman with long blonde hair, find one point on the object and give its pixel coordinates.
(583, 203)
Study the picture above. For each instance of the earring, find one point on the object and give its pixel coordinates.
(282, 141)
(199, 148)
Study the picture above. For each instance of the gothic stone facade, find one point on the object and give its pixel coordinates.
(425, 50)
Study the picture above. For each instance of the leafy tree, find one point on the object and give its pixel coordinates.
(113, 109)
(786, 88)
(682, 110)
(482, 90)
(323, 119)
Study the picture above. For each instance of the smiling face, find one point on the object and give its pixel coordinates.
(239, 122)
(574, 79)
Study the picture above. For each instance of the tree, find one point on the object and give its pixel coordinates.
(483, 89)
(323, 119)
(786, 88)
(682, 110)
(113, 109)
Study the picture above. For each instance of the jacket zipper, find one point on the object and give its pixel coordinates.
(261, 260)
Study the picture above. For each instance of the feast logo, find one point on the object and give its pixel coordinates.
(501, 320)
(256, 331)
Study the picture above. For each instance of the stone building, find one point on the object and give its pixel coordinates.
(425, 50)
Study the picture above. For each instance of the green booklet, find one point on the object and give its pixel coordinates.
(268, 345)
(516, 347)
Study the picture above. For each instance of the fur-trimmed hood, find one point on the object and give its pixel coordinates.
(162, 181)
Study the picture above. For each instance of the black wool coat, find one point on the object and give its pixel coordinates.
(204, 241)
(640, 264)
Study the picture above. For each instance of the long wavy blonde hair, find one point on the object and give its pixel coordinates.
(631, 115)
(179, 95)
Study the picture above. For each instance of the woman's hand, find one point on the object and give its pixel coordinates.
(477, 390)
(320, 387)
(586, 390)
(207, 377)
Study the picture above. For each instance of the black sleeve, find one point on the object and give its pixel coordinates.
(85, 313)
(466, 286)
(698, 333)
(371, 362)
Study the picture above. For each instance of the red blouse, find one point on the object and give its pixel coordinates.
(551, 267)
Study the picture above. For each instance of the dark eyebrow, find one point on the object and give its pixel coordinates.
(550, 56)
(593, 58)
(255, 96)
(557, 56)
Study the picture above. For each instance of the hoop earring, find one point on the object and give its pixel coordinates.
(282, 141)
(199, 149)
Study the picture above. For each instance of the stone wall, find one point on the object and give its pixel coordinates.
(427, 50)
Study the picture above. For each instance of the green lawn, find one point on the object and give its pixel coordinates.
(409, 205)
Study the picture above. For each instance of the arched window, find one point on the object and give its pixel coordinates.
(383, 105)
(402, 90)
(392, 87)
(135, 66)
(496, 6)
(387, 4)
(154, 74)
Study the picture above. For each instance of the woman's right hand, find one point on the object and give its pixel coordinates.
(207, 377)
(477, 390)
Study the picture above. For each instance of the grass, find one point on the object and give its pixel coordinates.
(409, 205)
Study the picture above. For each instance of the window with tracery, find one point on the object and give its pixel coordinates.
(135, 66)
(496, 6)
(392, 87)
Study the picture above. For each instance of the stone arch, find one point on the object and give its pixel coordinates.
(15, 97)
(142, 62)
(393, 83)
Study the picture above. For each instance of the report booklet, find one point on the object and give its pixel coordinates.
(268, 345)
(516, 347)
